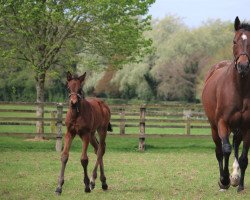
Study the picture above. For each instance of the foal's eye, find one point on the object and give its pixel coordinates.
(234, 42)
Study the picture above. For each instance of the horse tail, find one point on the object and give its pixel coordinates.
(110, 127)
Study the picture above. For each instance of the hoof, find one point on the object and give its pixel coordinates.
(104, 186)
(58, 191)
(92, 185)
(235, 181)
(224, 187)
(87, 190)
(240, 189)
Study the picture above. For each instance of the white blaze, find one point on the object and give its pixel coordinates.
(244, 37)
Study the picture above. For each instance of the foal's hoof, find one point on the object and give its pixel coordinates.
(240, 189)
(224, 187)
(92, 185)
(87, 190)
(58, 191)
(104, 186)
(235, 181)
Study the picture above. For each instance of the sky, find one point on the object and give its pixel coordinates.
(195, 12)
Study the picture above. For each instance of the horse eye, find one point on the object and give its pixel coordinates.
(234, 42)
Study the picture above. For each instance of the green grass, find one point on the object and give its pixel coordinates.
(170, 168)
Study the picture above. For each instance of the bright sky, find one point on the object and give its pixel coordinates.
(194, 12)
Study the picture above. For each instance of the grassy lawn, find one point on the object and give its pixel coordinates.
(170, 168)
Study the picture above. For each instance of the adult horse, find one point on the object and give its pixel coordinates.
(226, 100)
(83, 118)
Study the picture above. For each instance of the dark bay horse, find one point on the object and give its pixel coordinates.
(84, 118)
(226, 101)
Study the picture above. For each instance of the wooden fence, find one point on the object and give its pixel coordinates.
(138, 119)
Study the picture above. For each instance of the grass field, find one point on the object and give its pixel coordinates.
(170, 168)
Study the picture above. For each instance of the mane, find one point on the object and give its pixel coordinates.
(245, 26)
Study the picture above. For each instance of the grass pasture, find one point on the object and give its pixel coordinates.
(170, 168)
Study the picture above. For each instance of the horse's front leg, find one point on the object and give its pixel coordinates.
(235, 175)
(85, 161)
(64, 159)
(219, 156)
(226, 150)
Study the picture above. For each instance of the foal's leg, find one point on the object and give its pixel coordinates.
(64, 159)
(243, 160)
(85, 161)
(100, 153)
(235, 175)
(94, 143)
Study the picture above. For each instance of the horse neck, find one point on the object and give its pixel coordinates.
(74, 113)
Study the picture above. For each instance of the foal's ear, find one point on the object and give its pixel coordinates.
(82, 77)
(69, 76)
(237, 24)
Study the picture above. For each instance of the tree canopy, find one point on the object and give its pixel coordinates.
(41, 35)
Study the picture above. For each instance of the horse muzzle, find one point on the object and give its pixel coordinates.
(243, 68)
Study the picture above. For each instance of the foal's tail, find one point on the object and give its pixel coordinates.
(110, 127)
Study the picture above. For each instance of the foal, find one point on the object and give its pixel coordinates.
(84, 118)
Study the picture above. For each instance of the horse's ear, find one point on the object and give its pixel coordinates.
(237, 24)
(82, 77)
(69, 76)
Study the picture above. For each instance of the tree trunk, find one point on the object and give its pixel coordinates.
(40, 80)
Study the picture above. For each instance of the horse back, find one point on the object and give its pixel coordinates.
(223, 64)
(100, 111)
(215, 81)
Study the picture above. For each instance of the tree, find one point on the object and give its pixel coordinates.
(47, 33)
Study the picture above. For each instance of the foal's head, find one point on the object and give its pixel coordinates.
(74, 85)
(241, 48)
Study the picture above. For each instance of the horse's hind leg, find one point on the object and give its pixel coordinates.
(85, 161)
(100, 154)
(94, 143)
(235, 175)
(64, 159)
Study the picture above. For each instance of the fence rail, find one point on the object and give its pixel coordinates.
(141, 118)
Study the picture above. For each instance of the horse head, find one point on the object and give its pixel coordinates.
(74, 85)
(241, 49)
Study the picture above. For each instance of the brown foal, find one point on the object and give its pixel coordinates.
(84, 118)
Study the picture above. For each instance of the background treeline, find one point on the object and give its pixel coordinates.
(173, 71)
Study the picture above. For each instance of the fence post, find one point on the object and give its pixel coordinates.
(142, 128)
(53, 122)
(122, 120)
(187, 115)
(59, 127)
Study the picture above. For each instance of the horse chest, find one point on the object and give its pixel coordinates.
(78, 127)
(241, 116)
